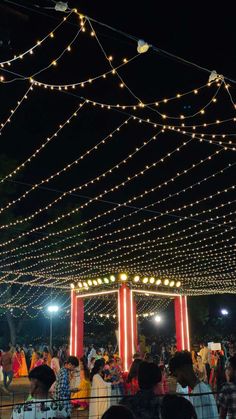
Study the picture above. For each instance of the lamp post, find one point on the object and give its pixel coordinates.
(224, 312)
(52, 309)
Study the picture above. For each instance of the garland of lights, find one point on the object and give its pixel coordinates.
(35, 46)
(156, 217)
(189, 263)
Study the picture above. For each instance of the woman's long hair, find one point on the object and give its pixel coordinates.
(133, 372)
(85, 368)
(99, 363)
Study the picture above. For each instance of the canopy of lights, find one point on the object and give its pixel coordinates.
(110, 182)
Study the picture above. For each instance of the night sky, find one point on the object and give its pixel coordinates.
(163, 233)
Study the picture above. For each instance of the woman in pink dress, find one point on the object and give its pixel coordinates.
(38, 360)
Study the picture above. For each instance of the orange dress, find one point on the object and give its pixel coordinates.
(33, 360)
(23, 371)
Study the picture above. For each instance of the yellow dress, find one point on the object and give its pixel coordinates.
(23, 371)
(83, 392)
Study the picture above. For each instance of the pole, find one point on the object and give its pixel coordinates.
(50, 344)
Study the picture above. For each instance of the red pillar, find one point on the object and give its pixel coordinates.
(76, 325)
(72, 321)
(135, 326)
(79, 350)
(127, 325)
(181, 323)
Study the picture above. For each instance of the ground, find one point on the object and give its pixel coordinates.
(19, 392)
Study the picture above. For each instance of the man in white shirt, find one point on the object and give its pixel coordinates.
(181, 366)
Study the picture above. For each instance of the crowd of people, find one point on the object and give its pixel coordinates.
(161, 384)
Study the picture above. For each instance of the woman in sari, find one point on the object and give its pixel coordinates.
(33, 359)
(16, 364)
(23, 372)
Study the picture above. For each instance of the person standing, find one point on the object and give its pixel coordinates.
(23, 372)
(145, 404)
(100, 393)
(181, 366)
(227, 398)
(55, 364)
(16, 363)
(62, 387)
(7, 369)
(205, 355)
(40, 405)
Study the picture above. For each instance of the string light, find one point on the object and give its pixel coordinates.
(134, 212)
(67, 167)
(44, 144)
(38, 43)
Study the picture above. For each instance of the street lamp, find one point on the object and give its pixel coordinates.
(52, 309)
(157, 319)
(224, 312)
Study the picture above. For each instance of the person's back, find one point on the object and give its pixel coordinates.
(204, 404)
(181, 366)
(145, 403)
(40, 406)
(177, 407)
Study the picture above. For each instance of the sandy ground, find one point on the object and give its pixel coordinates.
(19, 391)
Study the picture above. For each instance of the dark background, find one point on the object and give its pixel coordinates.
(199, 32)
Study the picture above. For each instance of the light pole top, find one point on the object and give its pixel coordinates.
(53, 309)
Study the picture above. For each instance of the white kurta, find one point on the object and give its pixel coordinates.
(98, 406)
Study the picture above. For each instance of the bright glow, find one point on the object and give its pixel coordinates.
(95, 282)
(123, 277)
(112, 278)
(152, 280)
(119, 323)
(90, 283)
(80, 285)
(167, 294)
(178, 283)
(71, 320)
(99, 281)
(106, 280)
(125, 324)
(166, 282)
(136, 278)
(172, 283)
(93, 294)
(72, 286)
(76, 323)
(187, 323)
(182, 323)
(145, 280)
(224, 312)
(158, 282)
(53, 309)
(85, 284)
(158, 319)
(132, 321)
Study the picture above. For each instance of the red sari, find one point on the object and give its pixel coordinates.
(16, 365)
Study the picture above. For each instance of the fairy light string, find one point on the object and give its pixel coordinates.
(43, 145)
(39, 43)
